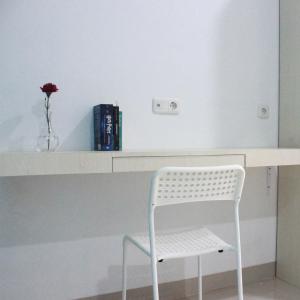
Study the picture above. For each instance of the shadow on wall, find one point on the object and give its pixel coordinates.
(81, 137)
(140, 275)
(229, 71)
(7, 129)
(243, 69)
(45, 209)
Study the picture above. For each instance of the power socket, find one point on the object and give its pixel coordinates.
(263, 111)
(166, 106)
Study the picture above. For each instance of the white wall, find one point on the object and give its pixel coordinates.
(62, 236)
(289, 73)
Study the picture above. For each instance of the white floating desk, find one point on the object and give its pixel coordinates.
(92, 162)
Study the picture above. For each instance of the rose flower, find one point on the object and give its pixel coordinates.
(49, 88)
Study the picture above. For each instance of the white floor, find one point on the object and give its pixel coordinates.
(267, 290)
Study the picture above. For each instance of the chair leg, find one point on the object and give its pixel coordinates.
(199, 278)
(124, 280)
(238, 255)
(154, 278)
(239, 274)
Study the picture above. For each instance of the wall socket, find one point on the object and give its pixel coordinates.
(167, 106)
(263, 111)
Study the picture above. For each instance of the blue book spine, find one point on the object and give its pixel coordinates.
(97, 126)
(116, 128)
(106, 127)
(120, 130)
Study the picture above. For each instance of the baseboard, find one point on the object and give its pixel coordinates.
(186, 288)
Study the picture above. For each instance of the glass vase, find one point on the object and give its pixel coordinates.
(47, 140)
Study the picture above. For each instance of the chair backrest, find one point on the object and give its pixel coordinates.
(175, 185)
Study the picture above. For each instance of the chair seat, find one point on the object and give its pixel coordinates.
(183, 244)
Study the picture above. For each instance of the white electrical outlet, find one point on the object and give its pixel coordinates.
(263, 111)
(168, 106)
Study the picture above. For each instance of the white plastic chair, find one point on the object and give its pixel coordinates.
(175, 185)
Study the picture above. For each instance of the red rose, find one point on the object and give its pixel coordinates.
(49, 88)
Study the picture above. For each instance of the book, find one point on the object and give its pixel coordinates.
(103, 127)
(97, 126)
(116, 128)
(106, 129)
(120, 130)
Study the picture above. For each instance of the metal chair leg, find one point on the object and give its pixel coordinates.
(154, 278)
(239, 275)
(124, 283)
(238, 256)
(199, 279)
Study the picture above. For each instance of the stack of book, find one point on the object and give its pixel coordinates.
(107, 128)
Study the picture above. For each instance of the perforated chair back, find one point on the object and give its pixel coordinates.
(175, 185)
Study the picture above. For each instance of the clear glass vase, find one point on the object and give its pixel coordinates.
(47, 140)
